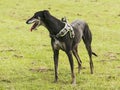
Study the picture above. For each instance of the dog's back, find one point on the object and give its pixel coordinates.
(79, 27)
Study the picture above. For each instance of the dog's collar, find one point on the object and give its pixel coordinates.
(64, 31)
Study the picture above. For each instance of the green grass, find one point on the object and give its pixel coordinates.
(26, 61)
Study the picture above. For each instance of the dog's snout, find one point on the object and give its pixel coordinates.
(27, 22)
(30, 21)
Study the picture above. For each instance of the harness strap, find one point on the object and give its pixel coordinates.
(64, 31)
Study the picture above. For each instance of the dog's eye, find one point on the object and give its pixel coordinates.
(36, 17)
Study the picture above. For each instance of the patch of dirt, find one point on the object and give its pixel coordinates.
(107, 60)
(111, 55)
(81, 68)
(78, 14)
(2, 21)
(119, 15)
(7, 50)
(18, 56)
(118, 66)
(44, 45)
(41, 69)
(108, 78)
(3, 58)
(118, 53)
(5, 80)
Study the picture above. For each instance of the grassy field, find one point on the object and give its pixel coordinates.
(26, 61)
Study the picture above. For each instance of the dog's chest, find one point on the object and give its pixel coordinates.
(59, 45)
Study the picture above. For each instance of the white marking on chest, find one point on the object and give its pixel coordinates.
(59, 45)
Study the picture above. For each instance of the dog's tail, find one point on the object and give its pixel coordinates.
(94, 54)
(87, 39)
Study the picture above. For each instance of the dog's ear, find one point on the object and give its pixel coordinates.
(46, 14)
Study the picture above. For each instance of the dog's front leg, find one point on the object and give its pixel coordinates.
(56, 53)
(69, 54)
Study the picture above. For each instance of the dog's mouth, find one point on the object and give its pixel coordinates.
(35, 25)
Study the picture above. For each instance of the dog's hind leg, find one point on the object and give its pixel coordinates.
(88, 47)
(75, 53)
(87, 39)
(89, 50)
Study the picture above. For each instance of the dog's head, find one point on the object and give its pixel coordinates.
(37, 19)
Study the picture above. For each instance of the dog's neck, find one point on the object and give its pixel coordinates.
(53, 25)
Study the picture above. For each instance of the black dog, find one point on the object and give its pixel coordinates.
(65, 37)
